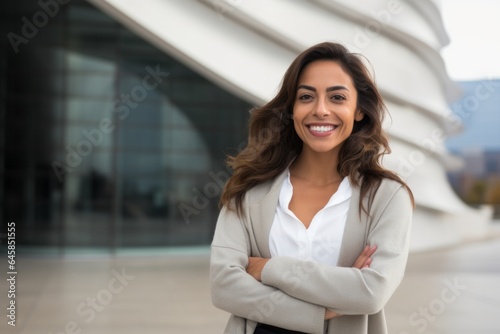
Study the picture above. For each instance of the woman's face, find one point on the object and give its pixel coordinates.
(325, 106)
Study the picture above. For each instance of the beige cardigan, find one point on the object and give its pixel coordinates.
(294, 293)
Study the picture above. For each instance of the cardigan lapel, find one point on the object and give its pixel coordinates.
(262, 215)
(354, 237)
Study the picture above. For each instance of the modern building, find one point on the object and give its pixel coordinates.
(104, 136)
(478, 181)
(116, 115)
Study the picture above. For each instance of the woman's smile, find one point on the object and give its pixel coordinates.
(321, 130)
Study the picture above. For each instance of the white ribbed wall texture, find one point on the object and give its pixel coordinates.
(245, 46)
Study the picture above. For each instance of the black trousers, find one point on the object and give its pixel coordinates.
(268, 329)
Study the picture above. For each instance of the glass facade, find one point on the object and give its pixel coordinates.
(107, 142)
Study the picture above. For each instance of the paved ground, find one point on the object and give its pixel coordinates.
(454, 291)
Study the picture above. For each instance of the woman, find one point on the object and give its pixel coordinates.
(313, 233)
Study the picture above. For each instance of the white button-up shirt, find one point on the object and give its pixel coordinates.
(321, 241)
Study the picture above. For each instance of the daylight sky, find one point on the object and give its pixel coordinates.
(474, 30)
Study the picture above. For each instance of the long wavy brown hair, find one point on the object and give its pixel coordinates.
(273, 143)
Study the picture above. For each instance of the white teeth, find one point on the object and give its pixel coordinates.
(321, 128)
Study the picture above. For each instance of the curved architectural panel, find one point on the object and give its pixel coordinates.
(245, 46)
(416, 18)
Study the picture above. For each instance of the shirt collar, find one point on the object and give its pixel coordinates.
(342, 194)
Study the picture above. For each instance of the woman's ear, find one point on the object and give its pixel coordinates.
(359, 115)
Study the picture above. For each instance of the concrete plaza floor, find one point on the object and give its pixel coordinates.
(454, 290)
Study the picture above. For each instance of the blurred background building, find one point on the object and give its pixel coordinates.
(116, 115)
(478, 182)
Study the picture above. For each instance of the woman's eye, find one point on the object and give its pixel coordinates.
(338, 97)
(305, 97)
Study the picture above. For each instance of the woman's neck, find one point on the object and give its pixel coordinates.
(318, 168)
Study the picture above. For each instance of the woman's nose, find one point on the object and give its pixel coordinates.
(321, 109)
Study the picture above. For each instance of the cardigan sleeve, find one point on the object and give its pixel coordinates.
(235, 291)
(352, 290)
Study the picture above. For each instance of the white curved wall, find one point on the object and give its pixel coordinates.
(245, 46)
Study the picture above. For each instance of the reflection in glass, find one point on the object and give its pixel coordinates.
(93, 157)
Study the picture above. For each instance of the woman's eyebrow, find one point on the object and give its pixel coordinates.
(329, 89)
(332, 88)
(306, 87)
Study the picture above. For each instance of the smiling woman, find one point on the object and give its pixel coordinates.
(313, 234)
(325, 109)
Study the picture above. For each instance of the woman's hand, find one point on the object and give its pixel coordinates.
(329, 314)
(255, 266)
(363, 261)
